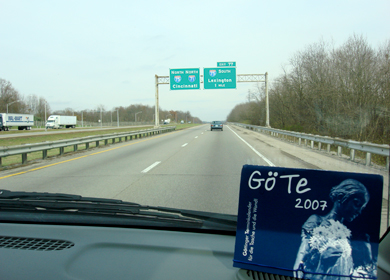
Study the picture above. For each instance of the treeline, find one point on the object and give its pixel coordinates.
(339, 92)
(17, 103)
(32, 104)
(132, 113)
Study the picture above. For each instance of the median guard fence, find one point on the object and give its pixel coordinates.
(325, 143)
(44, 147)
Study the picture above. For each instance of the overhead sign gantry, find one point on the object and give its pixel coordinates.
(223, 76)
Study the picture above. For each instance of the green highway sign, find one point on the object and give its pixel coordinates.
(219, 78)
(226, 64)
(184, 78)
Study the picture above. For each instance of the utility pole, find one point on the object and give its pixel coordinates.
(266, 100)
(12, 103)
(45, 117)
(101, 120)
(135, 117)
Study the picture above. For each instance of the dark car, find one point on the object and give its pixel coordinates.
(216, 125)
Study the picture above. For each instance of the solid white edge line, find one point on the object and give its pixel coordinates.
(253, 149)
(150, 167)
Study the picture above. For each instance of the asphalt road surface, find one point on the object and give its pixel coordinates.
(193, 168)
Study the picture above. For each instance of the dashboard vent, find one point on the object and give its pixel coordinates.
(36, 244)
(244, 274)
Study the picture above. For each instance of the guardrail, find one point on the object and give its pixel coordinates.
(43, 147)
(368, 148)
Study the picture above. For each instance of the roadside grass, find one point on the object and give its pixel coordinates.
(13, 141)
(16, 160)
(36, 129)
(12, 131)
(180, 126)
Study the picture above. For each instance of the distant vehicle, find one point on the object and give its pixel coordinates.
(216, 125)
(22, 121)
(167, 121)
(182, 121)
(56, 121)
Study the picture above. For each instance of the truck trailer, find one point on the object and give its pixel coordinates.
(56, 121)
(22, 121)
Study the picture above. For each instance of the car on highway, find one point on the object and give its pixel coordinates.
(216, 125)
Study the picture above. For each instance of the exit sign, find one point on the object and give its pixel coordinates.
(226, 64)
(219, 78)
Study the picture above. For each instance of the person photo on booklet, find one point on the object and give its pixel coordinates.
(326, 249)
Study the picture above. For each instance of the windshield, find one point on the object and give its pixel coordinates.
(136, 85)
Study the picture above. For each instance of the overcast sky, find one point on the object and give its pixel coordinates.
(81, 54)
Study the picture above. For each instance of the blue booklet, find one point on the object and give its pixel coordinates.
(309, 224)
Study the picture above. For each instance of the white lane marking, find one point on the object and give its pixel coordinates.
(184, 145)
(253, 149)
(196, 136)
(150, 167)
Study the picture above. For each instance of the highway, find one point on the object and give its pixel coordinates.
(194, 168)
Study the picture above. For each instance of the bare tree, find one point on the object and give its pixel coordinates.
(8, 94)
(342, 92)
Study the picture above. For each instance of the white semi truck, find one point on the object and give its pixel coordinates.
(22, 121)
(56, 121)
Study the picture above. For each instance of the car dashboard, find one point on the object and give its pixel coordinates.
(32, 251)
(48, 251)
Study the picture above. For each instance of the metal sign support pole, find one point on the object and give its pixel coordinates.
(259, 78)
(156, 109)
(266, 100)
(159, 80)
